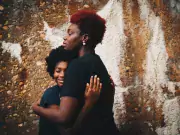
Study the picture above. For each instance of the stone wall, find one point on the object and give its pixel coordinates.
(140, 50)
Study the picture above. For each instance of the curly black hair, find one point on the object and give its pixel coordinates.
(57, 55)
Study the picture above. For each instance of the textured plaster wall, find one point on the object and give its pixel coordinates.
(140, 50)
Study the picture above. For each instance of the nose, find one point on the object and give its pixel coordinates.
(65, 37)
(61, 74)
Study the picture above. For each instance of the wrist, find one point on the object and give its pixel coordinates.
(36, 109)
(88, 105)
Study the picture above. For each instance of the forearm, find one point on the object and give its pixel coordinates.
(64, 114)
(84, 111)
(52, 114)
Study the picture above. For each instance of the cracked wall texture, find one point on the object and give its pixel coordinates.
(140, 50)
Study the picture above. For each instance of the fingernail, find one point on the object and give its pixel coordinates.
(95, 75)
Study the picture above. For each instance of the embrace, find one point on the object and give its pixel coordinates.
(81, 101)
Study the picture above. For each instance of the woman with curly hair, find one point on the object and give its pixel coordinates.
(57, 63)
(85, 32)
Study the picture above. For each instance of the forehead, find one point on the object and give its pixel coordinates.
(62, 64)
(73, 27)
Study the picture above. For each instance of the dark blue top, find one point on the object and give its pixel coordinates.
(50, 97)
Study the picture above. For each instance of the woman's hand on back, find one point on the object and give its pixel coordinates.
(92, 94)
(92, 91)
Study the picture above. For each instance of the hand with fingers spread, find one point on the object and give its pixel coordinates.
(93, 90)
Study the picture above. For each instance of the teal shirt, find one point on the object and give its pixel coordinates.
(50, 97)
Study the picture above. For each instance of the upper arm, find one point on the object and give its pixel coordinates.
(75, 81)
(62, 114)
(68, 108)
(72, 93)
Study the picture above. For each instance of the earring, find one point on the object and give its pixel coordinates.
(84, 43)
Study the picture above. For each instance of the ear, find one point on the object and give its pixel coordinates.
(85, 38)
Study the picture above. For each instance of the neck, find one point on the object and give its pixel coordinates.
(84, 51)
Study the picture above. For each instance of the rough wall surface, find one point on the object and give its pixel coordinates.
(140, 50)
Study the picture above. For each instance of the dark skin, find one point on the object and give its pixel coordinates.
(68, 105)
(62, 115)
(92, 93)
(91, 96)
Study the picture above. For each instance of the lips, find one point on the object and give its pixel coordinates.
(64, 43)
(60, 80)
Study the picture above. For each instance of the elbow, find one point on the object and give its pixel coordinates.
(61, 119)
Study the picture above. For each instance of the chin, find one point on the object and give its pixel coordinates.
(65, 47)
(60, 85)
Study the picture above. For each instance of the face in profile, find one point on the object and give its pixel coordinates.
(59, 72)
(73, 37)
